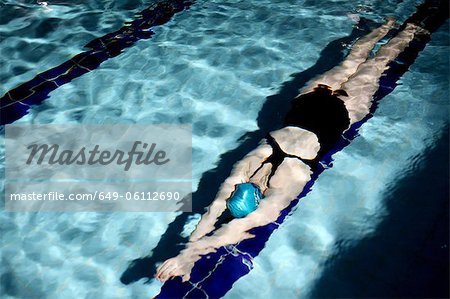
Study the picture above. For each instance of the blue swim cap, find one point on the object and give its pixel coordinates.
(244, 200)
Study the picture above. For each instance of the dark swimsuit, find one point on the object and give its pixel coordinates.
(320, 112)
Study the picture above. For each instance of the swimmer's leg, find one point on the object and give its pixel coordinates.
(285, 185)
(358, 54)
(365, 82)
(241, 173)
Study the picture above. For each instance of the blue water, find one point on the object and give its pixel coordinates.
(214, 66)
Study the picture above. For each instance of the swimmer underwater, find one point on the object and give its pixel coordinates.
(271, 176)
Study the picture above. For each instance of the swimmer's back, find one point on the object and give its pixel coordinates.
(322, 113)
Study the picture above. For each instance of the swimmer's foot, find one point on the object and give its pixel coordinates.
(390, 21)
(418, 30)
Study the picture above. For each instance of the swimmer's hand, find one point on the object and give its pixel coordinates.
(176, 266)
(182, 264)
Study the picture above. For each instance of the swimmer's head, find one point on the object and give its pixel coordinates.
(244, 200)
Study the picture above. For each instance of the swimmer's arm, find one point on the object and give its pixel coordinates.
(287, 182)
(241, 173)
(287, 185)
(237, 230)
(231, 233)
(213, 212)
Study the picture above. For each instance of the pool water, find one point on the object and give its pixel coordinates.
(214, 66)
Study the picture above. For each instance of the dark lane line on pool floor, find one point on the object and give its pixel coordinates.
(17, 102)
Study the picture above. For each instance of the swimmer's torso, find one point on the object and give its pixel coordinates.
(321, 113)
(314, 124)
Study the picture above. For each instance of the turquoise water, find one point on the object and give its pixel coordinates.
(213, 66)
